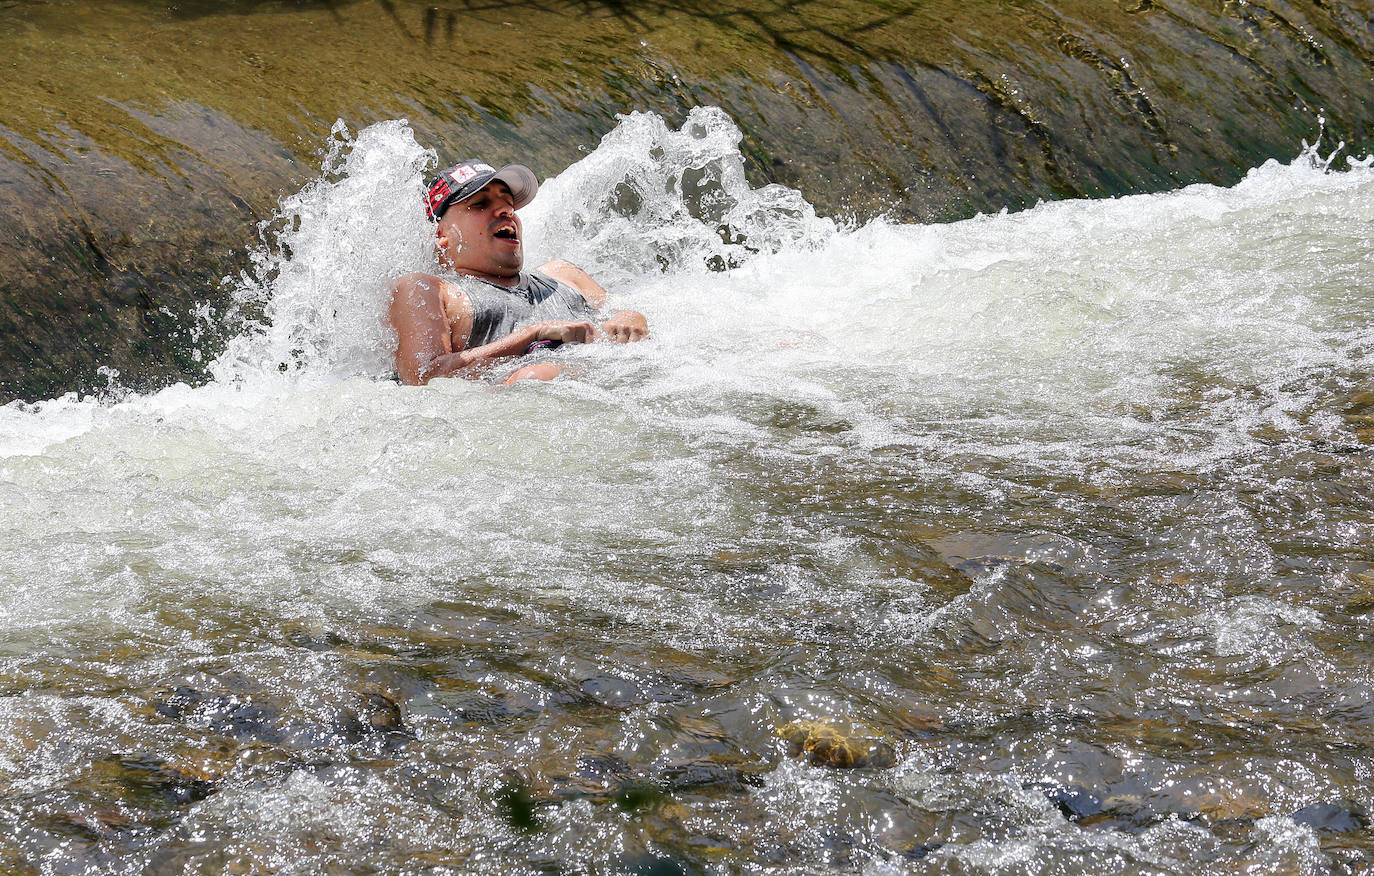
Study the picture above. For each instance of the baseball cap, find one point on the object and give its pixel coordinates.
(467, 177)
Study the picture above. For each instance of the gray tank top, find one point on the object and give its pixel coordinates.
(497, 311)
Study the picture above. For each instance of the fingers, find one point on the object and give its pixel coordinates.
(624, 332)
(620, 331)
(567, 332)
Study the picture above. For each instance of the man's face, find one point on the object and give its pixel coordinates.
(481, 235)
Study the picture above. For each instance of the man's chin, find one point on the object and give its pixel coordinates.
(505, 269)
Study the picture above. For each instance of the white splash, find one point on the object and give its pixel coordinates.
(320, 279)
(653, 200)
(710, 491)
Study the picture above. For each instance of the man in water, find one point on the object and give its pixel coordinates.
(490, 309)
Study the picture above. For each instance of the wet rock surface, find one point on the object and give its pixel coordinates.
(1342, 817)
(131, 180)
(824, 743)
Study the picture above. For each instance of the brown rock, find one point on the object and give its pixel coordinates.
(824, 744)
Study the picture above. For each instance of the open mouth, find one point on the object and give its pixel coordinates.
(506, 232)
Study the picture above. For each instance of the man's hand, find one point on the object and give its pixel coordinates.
(626, 326)
(567, 332)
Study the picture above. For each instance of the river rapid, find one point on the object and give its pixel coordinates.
(1038, 542)
(142, 141)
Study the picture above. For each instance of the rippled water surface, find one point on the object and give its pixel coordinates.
(1034, 543)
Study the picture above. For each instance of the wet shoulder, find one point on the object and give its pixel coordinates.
(417, 287)
(423, 290)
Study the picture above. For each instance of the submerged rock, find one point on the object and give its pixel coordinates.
(1340, 817)
(134, 790)
(1074, 802)
(246, 719)
(825, 744)
(373, 710)
(234, 716)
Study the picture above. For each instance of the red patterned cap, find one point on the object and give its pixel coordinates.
(467, 178)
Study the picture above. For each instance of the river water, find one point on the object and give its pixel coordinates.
(1060, 519)
(141, 141)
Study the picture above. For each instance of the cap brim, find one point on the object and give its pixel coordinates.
(524, 185)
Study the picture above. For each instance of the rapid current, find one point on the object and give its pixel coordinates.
(1056, 525)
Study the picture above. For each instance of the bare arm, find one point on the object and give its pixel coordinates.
(474, 361)
(424, 333)
(623, 325)
(426, 336)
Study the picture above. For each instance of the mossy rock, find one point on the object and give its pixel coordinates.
(822, 743)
